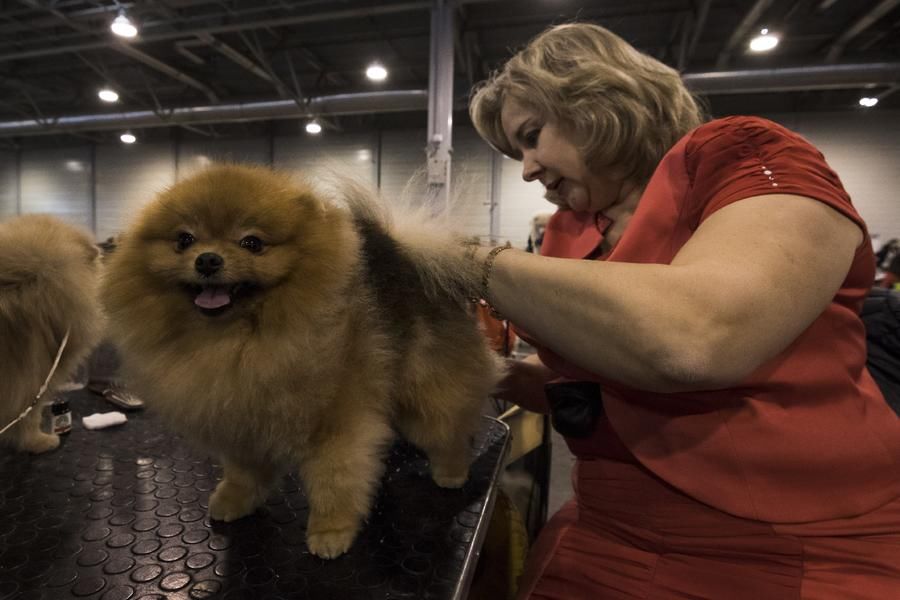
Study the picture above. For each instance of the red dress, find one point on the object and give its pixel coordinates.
(784, 486)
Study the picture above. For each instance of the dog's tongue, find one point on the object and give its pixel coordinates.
(212, 297)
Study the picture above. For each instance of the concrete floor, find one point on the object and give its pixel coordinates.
(561, 461)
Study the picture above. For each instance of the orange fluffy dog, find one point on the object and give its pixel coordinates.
(282, 329)
(48, 284)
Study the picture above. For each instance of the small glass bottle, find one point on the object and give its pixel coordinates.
(60, 416)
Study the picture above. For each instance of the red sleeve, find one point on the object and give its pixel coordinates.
(740, 157)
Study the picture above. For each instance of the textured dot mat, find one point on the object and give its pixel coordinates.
(121, 514)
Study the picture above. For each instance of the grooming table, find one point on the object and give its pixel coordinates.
(121, 514)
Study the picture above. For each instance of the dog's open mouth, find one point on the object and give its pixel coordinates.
(214, 300)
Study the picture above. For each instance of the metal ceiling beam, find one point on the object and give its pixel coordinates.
(81, 13)
(888, 92)
(128, 50)
(684, 34)
(245, 62)
(15, 82)
(339, 104)
(825, 5)
(183, 46)
(162, 67)
(740, 32)
(818, 77)
(685, 55)
(316, 63)
(864, 22)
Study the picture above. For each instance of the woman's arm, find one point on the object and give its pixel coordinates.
(753, 276)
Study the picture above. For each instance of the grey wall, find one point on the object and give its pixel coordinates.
(8, 184)
(126, 177)
(863, 147)
(58, 181)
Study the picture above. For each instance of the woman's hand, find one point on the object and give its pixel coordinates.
(524, 383)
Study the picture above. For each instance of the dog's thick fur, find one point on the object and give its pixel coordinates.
(48, 284)
(343, 327)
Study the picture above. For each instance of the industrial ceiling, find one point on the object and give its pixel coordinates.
(236, 66)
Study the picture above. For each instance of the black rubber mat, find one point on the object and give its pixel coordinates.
(121, 514)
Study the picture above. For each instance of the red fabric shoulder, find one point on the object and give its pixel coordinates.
(735, 158)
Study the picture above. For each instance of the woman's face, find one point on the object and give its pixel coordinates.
(549, 157)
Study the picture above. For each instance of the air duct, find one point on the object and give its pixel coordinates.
(819, 77)
(339, 104)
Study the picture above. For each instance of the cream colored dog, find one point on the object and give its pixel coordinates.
(48, 282)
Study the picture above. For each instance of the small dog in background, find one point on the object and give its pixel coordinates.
(49, 272)
(281, 327)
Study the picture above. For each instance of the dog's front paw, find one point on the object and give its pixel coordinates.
(331, 543)
(229, 503)
(40, 442)
(452, 482)
(454, 477)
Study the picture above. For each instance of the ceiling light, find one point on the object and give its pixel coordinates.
(376, 72)
(764, 42)
(313, 127)
(128, 138)
(123, 27)
(868, 102)
(108, 95)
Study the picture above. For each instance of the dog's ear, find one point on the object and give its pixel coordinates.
(91, 250)
(108, 246)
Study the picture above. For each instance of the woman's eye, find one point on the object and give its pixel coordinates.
(184, 240)
(531, 137)
(252, 243)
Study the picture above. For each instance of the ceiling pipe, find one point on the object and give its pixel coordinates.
(339, 104)
(818, 77)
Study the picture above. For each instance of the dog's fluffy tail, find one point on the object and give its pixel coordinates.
(424, 235)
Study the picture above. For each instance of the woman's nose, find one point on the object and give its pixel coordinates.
(531, 169)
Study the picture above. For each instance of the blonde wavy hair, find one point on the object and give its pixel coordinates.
(622, 108)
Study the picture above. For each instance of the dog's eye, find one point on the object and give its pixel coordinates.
(252, 243)
(184, 240)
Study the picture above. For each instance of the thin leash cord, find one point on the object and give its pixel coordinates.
(59, 353)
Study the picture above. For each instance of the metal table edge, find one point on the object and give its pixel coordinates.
(462, 587)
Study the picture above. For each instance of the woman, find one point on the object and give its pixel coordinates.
(707, 362)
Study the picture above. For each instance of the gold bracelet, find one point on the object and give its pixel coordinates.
(486, 271)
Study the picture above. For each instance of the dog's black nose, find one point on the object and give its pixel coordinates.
(208, 263)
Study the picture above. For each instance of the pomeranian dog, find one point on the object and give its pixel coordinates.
(49, 273)
(282, 327)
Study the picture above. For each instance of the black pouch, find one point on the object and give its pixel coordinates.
(575, 407)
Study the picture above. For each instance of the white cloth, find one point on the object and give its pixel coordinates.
(102, 420)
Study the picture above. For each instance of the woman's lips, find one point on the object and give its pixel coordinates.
(552, 192)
